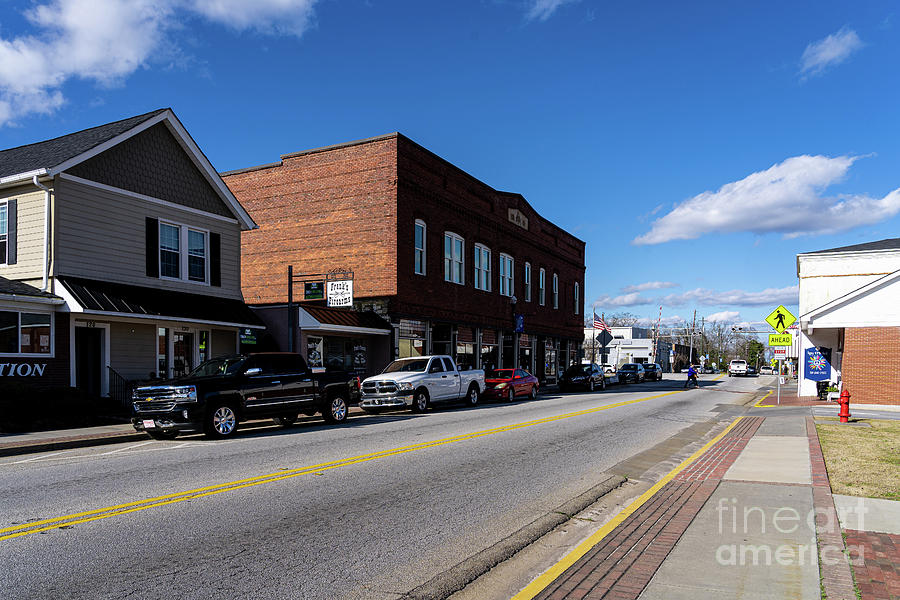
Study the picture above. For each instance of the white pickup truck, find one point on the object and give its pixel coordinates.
(420, 381)
(737, 367)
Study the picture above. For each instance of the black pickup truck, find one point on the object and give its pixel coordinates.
(220, 393)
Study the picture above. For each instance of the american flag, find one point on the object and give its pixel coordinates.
(599, 323)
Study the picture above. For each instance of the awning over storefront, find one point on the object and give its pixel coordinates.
(339, 320)
(16, 291)
(116, 299)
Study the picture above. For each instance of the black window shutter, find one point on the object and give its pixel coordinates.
(152, 250)
(11, 226)
(215, 259)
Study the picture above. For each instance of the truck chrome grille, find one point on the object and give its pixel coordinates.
(154, 406)
(379, 387)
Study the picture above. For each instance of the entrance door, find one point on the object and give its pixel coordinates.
(89, 360)
(182, 354)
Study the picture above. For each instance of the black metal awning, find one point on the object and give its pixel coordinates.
(117, 299)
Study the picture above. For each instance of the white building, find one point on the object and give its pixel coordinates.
(629, 344)
(850, 311)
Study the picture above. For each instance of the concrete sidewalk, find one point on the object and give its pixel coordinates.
(749, 516)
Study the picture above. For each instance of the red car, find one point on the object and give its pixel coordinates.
(508, 384)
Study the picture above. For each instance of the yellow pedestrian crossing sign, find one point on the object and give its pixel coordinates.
(780, 319)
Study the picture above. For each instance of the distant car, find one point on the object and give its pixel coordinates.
(608, 369)
(631, 372)
(766, 370)
(652, 372)
(587, 377)
(751, 372)
(509, 384)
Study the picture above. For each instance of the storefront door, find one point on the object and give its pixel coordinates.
(89, 360)
(182, 353)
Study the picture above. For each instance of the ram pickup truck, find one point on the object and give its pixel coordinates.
(737, 367)
(419, 382)
(220, 393)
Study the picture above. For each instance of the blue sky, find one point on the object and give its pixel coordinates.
(696, 147)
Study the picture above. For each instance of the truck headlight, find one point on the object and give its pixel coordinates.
(406, 386)
(186, 392)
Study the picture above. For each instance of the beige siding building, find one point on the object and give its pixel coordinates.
(119, 257)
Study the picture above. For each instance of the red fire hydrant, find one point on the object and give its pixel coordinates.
(845, 406)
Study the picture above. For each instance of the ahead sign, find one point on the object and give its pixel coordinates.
(780, 339)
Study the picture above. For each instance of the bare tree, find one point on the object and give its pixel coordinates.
(621, 319)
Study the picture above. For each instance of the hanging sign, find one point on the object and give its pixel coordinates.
(817, 362)
(339, 293)
(313, 290)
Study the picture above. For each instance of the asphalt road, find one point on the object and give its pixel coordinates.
(420, 495)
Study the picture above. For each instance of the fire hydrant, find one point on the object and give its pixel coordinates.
(845, 406)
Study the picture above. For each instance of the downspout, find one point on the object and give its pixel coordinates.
(46, 232)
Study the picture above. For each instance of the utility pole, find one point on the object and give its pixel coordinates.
(691, 351)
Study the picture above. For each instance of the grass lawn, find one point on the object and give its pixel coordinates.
(862, 461)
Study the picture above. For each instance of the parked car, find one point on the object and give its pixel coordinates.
(509, 384)
(652, 372)
(631, 372)
(751, 371)
(766, 370)
(585, 376)
(216, 396)
(419, 382)
(737, 367)
(608, 369)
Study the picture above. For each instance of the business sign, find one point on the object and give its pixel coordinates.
(817, 364)
(22, 369)
(248, 336)
(780, 339)
(520, 323)
(780, 319)
(340, 293)
(313, 290)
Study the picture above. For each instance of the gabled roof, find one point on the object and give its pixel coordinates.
(888, 244)
(52, 157)
(51, 153)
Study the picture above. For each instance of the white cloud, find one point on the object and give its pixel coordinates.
(833, 50)
(107, 40)
(650, 285)
(632, 299)
(706, 297)
(543, 9)
(785, 198)
(726, 316)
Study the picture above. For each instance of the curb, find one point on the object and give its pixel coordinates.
(459, 576)
(19, 448)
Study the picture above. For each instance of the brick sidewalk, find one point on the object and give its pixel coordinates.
(878, 574)
(622, 564)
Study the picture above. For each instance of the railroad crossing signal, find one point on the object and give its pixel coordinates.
(780, 319)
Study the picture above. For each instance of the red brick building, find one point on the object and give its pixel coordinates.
(449, 261)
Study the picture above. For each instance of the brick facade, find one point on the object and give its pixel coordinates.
(354, 206)
(870, 364)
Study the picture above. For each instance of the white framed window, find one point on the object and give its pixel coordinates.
(174, 263)
(482, 267)
(4, 232)
(506, 275)
(454, 258)
(527, 282)
(419, 243)
(542, 287)
(555, 291)
(25, 334)
(577, 300)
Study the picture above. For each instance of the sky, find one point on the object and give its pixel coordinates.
(696, 148)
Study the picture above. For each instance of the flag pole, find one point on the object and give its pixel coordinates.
(593, 334)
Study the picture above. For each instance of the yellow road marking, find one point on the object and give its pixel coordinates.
(546, 578)
(760, 403)
(122, 509)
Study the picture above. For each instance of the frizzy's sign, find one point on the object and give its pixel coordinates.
(22, 369)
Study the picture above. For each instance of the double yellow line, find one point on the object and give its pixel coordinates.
(130, 507)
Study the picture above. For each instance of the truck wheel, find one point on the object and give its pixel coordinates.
(420, 401)
(221, 421)
(163, 435)
(336, 410)
(286, 420)
(472, 396)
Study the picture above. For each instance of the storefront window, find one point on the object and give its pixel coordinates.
(162, 352)
(182, 353)
(525, 353)
(550, 360)
(490, 351)
(412, 338)
(25, 333)
(315, 352)
(441, 339)
(203, 344)
(465, 355)
(509, 351)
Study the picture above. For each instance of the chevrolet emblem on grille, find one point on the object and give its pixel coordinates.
(148, 399)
